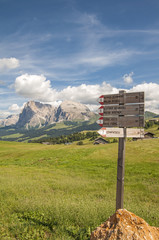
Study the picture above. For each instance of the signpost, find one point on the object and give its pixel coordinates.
(121, 111)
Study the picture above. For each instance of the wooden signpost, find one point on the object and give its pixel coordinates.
(121, 111)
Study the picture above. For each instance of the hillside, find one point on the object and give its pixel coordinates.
(66, 191)
(149, 115)
(52, 130)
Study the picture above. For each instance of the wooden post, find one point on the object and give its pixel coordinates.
(121, 167)
(120, 173)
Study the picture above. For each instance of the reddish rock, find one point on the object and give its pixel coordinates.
(125, 225)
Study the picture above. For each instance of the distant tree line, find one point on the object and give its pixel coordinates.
(78, 136)
(149, 124)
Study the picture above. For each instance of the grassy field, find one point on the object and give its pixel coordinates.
(64, 192)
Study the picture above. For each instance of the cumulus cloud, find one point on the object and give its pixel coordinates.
(14, 108)
(128, 78)
(37, 87)
(151, 95)
(8, 63)
(86, 94)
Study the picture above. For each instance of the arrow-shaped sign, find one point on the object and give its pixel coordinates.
(119, 132)
(122, 98)
(121, 121)
(116, 110)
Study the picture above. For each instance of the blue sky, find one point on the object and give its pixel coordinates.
(54, 50)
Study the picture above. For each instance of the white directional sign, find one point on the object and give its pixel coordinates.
(119, 132)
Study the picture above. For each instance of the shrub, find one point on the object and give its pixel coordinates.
(80, 143)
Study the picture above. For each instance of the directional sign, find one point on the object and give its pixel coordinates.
(121, 121)
(115, 110)
(122, 98)
(119, 132)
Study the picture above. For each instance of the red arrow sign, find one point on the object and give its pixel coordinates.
(101, 99)
(101, 110)
(100, 121)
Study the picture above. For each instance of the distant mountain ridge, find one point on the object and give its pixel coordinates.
(36, 114)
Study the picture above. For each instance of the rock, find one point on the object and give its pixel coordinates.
(125, 225)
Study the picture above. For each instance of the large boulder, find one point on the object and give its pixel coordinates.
(124, 225)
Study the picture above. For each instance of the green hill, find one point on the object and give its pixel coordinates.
(149, 115)
(53, 130)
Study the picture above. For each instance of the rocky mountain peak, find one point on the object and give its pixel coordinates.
(36, 114)
(70, 106)
(69, 110)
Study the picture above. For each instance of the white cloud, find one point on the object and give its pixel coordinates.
(128, 78)
(87, 94)
(37, 87)
(151, 95)
(14, 107)
(8, 63)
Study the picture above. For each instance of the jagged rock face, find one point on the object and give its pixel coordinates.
(124, 225)
(69, 111)
(36, 114)
(10, 120)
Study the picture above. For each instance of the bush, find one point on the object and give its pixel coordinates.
(80, 143)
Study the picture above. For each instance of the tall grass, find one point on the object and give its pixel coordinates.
(64, 192)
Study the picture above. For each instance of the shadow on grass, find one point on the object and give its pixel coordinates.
(38, 219)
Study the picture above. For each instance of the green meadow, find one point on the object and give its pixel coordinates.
(63, 192)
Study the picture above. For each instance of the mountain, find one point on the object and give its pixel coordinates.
(10, 120)
(69, 111)
(36, 114)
